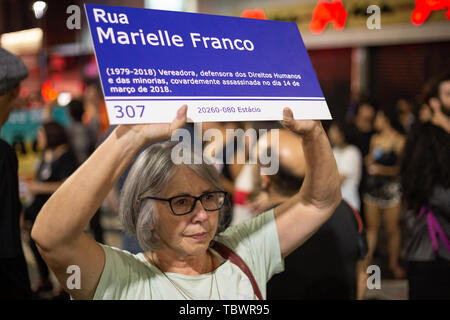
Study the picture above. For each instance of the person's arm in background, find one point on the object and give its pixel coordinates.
(38, 187)
(112, 200)
(393, 171)
(342, 177)
(302, 215)
(59, 227)
(368, 159)
(62, 169)
(379, 169)
(47, 111)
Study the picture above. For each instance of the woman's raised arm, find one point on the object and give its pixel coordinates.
(302, 215)
(59, 227)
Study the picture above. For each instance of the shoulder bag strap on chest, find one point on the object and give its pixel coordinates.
(228, 254)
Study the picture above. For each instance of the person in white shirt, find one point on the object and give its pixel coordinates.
(349, 162)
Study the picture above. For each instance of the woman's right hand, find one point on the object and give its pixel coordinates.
(155, 132)
(368, 160)
(373, 169)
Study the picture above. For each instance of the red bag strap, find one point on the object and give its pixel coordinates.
(228, 254)
(357, 217)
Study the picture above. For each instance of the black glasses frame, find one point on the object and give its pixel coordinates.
(199, 198)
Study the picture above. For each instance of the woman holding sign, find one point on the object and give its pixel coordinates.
(184, 258)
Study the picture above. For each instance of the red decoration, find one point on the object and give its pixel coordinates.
(326, 12)
(48, 92)
(254, 14)
(424, 8)
(240, 197)
(57, 63)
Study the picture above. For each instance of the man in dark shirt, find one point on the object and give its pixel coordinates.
(324, 267)
(361, 131)
(14, 279)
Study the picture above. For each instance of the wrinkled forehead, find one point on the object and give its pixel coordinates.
(186, 181)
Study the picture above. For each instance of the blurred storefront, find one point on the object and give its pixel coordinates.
(386, 63)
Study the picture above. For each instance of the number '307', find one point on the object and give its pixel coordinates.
(129, 111)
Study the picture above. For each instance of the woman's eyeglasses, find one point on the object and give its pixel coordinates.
(184, 204)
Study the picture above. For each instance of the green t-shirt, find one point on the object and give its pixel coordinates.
(127, 276)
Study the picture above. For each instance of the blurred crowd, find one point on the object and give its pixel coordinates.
(393, 162)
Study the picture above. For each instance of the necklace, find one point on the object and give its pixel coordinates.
(182, 291)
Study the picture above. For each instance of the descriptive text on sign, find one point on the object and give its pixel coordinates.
(224, 68)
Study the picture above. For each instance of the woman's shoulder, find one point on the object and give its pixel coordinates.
(399, 142)
(247, 232)
(125, 275)
(122, 258)
(256, 242)
(353, 150)
(375, 140)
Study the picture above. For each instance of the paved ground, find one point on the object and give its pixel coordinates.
(390, 290)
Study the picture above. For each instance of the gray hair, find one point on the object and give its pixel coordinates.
(150, 174)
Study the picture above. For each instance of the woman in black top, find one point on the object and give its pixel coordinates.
(57, 163)
(382, 190)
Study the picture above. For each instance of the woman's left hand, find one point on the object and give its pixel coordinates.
(303, 214)
(301, 127)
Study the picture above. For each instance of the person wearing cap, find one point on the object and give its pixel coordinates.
(14, 279)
